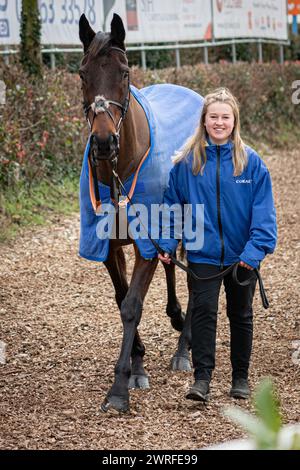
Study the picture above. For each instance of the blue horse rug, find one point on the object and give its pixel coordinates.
(173, 113)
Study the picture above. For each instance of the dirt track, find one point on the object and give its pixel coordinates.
(62, 329)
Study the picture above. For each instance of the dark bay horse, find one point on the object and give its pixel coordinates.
(119, 141)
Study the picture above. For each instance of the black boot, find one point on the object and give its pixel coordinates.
(199, 391)
(240, 388)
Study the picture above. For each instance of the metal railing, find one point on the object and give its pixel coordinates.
(143, 48)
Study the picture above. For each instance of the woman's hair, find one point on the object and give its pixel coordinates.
(197, 142)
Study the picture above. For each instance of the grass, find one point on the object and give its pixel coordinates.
(22, 207)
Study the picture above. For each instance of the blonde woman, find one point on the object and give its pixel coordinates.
(215, 168)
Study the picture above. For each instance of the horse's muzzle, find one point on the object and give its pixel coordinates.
(103, 149)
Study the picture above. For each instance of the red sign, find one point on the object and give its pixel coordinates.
(294, 7)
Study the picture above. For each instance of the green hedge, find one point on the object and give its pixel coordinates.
(264, 92)
(43, 131)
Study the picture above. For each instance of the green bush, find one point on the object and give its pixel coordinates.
(265, 427)
(43, 131)
(264, 92)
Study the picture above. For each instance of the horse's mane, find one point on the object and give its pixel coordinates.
(99, 46)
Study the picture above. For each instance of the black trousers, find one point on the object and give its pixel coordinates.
(239, 299)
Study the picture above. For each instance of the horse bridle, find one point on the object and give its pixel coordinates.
(102, 105)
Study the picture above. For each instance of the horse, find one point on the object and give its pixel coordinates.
(116, 154)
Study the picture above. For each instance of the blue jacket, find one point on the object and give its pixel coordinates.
(239, 213)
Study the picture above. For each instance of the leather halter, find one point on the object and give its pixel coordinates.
(102, 105)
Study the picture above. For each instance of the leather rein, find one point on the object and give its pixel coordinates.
(233, 268)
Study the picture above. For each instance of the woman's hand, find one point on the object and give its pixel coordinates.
(164, 258)
(244, 265)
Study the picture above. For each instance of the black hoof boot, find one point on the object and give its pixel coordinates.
(116, 403)
(181, 363)
(139, 382)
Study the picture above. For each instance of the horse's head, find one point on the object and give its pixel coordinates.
(104, 74)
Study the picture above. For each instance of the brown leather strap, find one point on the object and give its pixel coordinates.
(124, 202)
(97, 204)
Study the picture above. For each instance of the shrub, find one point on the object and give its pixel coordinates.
(43, 131)
(264, 92)
(265, 427)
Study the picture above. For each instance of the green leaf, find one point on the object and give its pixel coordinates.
(243, 418)
(296, 442)
(267, 405)
(264, 437)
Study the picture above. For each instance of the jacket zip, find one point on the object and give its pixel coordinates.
(219, 207)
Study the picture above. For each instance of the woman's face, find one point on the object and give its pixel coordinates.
(219, 122)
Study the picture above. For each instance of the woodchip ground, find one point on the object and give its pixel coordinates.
(62, 330)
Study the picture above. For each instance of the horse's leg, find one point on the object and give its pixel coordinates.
(131, 311)
(138, 377)
(116, 266)
(180, 360)
(173, 306)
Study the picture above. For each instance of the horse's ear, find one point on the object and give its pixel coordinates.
(86, 33)
(118, 31)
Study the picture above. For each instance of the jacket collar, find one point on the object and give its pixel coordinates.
(225, 149)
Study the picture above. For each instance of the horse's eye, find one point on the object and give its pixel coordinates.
(125, 75)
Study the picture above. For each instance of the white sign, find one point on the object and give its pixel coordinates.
(9, 24)
(163, 20)
(151, 20)
(144, 20)
(250, 19)
(59, 19)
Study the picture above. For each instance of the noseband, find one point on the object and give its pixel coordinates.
(102, 105)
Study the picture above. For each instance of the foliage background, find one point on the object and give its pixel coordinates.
(43, 131)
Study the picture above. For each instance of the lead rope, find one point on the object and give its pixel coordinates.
(233, 268)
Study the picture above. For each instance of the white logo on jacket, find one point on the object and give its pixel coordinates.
(244, 181)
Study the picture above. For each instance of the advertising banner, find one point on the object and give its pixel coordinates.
(59, 20)
(250, 19)
(151, 21)
(162, 21)
(144, 20)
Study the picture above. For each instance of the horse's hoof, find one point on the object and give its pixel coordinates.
(139, 382)
(119, 404)
(177, 321)
(181, 363)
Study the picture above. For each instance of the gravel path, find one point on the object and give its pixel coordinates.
(62, 332)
